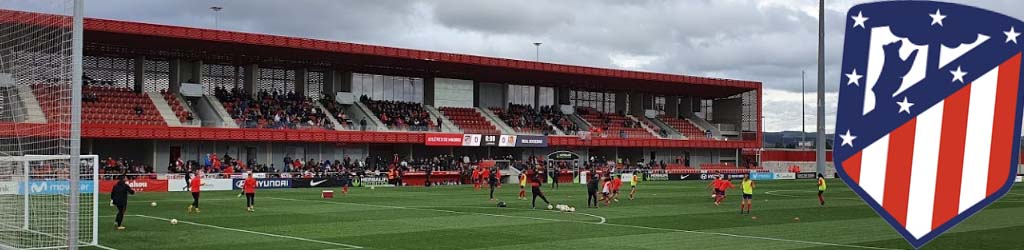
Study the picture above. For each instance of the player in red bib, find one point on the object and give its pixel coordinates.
(476, 178)
(723, 185)
(616, 183)
(249, 188)
(197, 182)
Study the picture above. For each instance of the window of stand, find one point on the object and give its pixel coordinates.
(389, 88)
(280, 81)
(600, 101)
(659, 104)
(157, 74)
(314, 85)
(224, 76)
(110, 71)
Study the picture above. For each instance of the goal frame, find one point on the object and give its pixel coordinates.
(26, 193)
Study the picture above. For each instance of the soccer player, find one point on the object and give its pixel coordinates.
(250, 193)
(632, 184)
(723, 184)
(197, 182)
(522, 186)
(821, 189)
(616, 183)
(714, 186)
(606, 192)
(748, 193)
(476, 178)
(492, 180)
(592, 184)
(554, 177)
(535, 183)
(188, 176)
(119, 195)
(346, 180)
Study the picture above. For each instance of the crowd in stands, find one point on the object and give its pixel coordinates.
(111, 167)
(211, 163)
(400, 115)
(525, 118)
(272, 110)
(611, 124)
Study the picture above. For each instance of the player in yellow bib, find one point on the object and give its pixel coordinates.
(821, 189)
(632, 184)
(522, 186)
(748, 194)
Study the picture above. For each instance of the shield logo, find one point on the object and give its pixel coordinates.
(929, 111)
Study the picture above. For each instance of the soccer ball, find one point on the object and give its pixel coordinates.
(712, 196)
(174, 221)
(152, 204)
(550, 207)
(572, 209)
(371, 187)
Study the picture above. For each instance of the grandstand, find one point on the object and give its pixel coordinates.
(152, 76)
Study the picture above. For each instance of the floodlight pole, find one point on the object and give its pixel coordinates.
(216, 16)
(820, 144)
(538, 51)
(75, 139)
(803, 109)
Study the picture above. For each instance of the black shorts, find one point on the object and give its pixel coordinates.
(616, 191)
(748, 196)
(820, 192)
(719, 192)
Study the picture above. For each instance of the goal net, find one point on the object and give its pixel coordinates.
(42, 203)
(34, 201)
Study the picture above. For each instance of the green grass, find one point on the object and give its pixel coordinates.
(666, 215)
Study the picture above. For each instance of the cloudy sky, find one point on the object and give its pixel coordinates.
(770, 41)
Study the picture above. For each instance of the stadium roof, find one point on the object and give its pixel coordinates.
(123, 38)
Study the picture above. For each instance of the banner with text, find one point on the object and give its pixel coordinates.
(440, 139)
(137, 185)
(267, 183)
(56, 187)
(531, 141)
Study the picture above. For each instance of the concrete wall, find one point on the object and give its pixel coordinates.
(206, 112)
(672, 106)
(453, 93)
(727, 111)
(636, 106)
(492, 95)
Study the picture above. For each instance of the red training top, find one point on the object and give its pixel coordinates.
(196, 182)
(250, 185)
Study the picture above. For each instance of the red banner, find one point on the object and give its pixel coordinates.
(437, 139)
(137, 185)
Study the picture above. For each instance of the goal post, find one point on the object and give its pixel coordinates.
(42, 205)
(34, 195)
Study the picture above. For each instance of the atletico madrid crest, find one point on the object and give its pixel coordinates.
(928, 122)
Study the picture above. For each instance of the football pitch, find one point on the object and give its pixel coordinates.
(665, 215)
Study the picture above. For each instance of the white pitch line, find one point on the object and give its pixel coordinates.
(347, 246)
(610, 224)
(775, 193)
(603, 220)
(423, 209)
